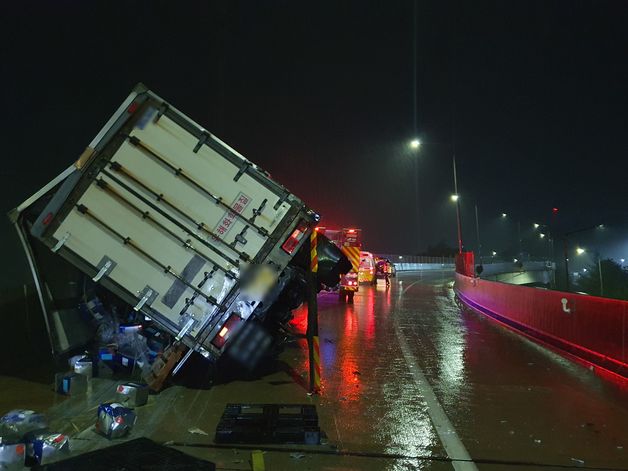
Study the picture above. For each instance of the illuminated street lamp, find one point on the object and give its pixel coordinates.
(580, 250)
(493, 253)
(415, 144)
(536, 226)
(541, 235)
(504, 215)
(454, 198)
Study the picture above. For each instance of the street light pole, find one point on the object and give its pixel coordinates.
(566, 257)
(457, 206)
(566, 249)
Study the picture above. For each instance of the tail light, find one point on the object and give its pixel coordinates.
(223, 334)
(291, 242)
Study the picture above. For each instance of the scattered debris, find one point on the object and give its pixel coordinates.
(26, 440)
(197, 431)
(16, 424)
(578, 462)
(71, 383)
(114, 420)
(132, 394)
(41, 448)
(297, 456)
(503, 421)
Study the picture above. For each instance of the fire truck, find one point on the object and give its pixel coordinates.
(349, 240)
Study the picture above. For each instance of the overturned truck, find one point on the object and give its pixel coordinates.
(163, 232)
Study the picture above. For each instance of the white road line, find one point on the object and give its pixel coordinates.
(454, 447)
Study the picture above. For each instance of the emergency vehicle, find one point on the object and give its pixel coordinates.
(367, 272)
(349, 240)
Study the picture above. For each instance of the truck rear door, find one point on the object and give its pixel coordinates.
(169, 218)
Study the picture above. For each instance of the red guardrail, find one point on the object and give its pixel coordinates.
(592, 328)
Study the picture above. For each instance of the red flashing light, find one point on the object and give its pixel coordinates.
(47, 219)
(59, 438)
(351, 231)
(119, 420)
(20, 449)
(292, 242)
(223, 331)
(554, 210)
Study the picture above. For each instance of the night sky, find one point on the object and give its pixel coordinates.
(531, 96)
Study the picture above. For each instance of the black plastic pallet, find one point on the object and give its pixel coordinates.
(269, 423)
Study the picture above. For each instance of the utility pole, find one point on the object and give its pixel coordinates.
(599, 267)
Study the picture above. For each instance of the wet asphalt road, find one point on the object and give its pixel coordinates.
(409, 382)
(504, 399)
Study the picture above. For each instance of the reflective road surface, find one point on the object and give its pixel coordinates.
(506, 400)
(410, 382)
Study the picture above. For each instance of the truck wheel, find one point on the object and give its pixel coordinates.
(350, 297)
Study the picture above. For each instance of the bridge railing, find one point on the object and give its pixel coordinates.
(419, 262)
(400, 258)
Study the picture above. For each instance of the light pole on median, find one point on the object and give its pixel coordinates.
(457, 201)
(581, 251)
(415, 145)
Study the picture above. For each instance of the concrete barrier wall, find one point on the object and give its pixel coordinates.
(594, 329)
(423, 266)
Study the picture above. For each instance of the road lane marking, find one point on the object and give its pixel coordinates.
(455, 449)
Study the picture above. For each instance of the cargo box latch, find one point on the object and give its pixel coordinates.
(147, 296)
(61, 242)
(105, 267)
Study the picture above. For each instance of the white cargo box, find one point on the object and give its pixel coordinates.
(170, 219)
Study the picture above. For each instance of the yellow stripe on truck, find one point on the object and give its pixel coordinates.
(353, 254)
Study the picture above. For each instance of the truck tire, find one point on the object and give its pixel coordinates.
(350, 297)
